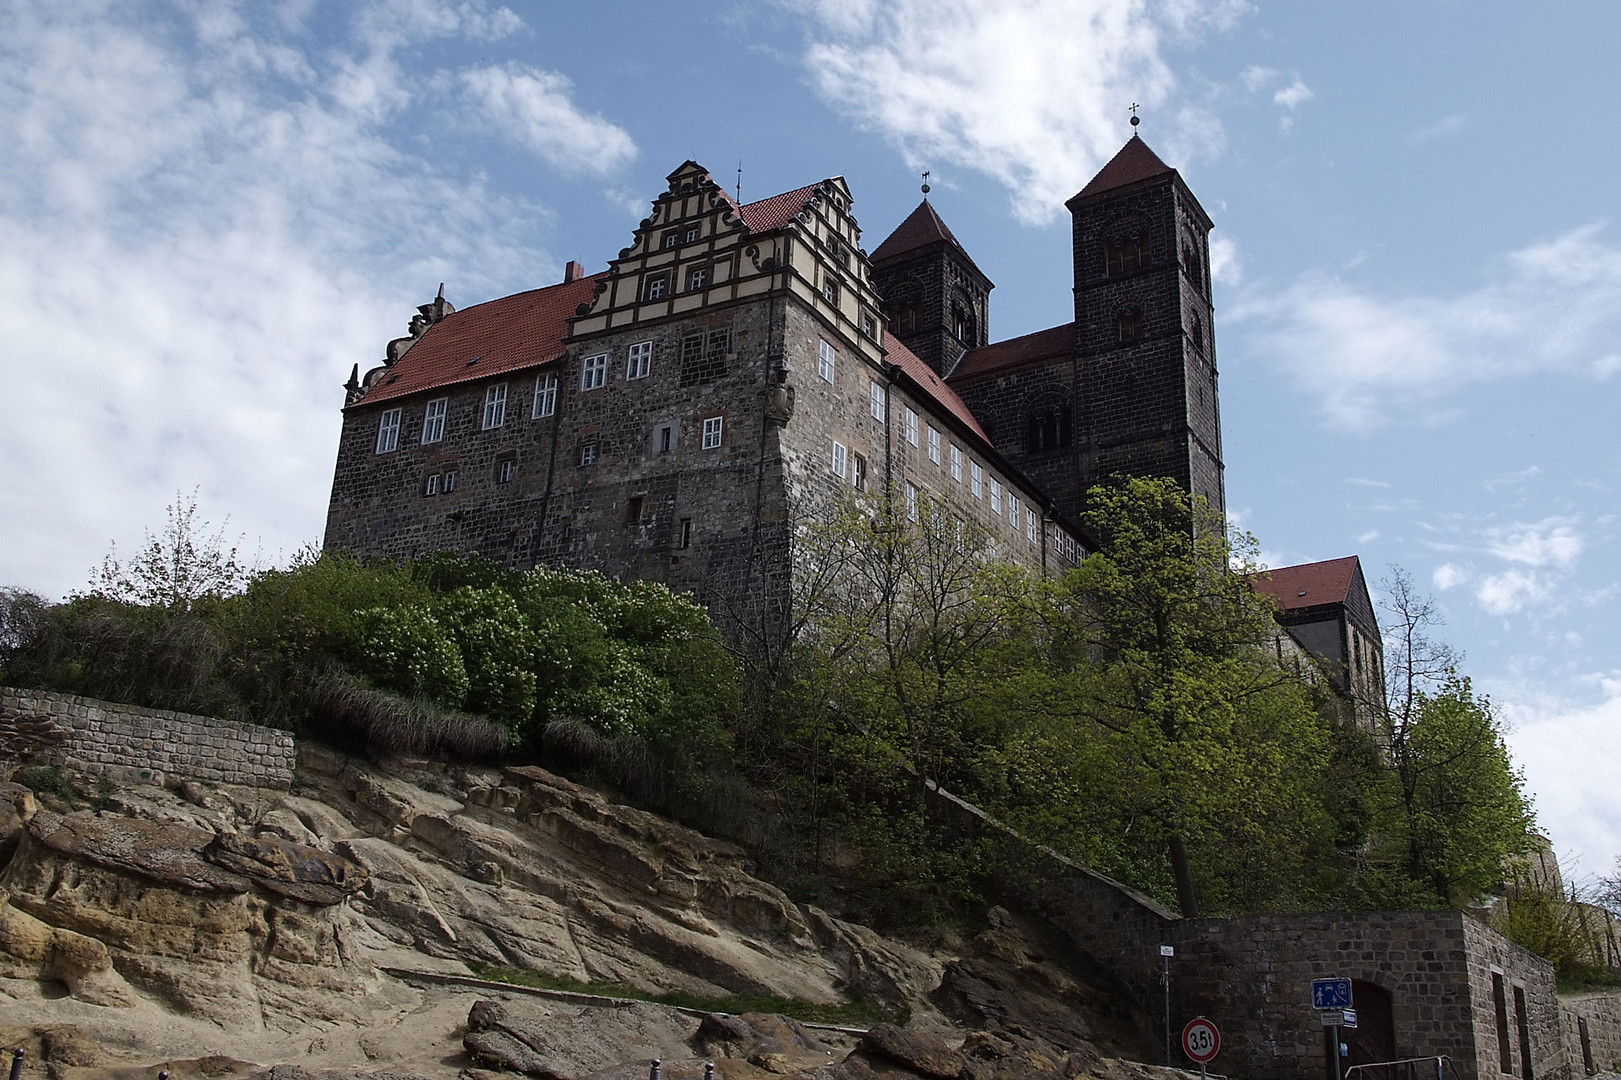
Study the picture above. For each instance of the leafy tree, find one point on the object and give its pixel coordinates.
(177, 568)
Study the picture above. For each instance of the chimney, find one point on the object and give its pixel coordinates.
(573, 272)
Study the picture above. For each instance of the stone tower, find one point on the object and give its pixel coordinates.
(1145, 401)
(935, 299)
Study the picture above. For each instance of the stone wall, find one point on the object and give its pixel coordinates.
(1598, 1018)
(129, 742)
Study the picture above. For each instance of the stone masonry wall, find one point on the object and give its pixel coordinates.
(129, 742)
(1600, 1014)
(1529, 996)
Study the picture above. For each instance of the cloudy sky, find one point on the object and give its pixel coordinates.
(212, 210)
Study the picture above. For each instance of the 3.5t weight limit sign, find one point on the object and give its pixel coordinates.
(1200, 1040)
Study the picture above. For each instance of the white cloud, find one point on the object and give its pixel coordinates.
(1535, 563)
(1368, 359)
(534, 108)
(1031, 92)
(1564, 748)
(1550, 543)
(1449, 575)
(1518, 476)
(1255, 77)
(206, 224)
(1294, 95)
(1443, 127)
(1225, 266)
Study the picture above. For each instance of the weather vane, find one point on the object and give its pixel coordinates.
(1135, 119)
(925, 184)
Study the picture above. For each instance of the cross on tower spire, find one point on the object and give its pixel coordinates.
(925, 185)
(1135, 119)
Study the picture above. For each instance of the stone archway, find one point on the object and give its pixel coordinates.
(1374, 1037)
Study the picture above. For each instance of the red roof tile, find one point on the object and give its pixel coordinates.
(921, 228)
(775, 212)
(507, 334)
(932, 384)
(1310, 584)
(994, 359)
(1134, 162)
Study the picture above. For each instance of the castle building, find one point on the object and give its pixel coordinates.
(738, 370)
(1325, 612)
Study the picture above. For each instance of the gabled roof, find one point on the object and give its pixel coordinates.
(1134, 162)
(504, 335)
(922, 228)
(778, 210)
(1049, 344)
(1310, 584)
(931, 384)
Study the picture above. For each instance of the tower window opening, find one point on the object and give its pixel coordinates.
(1128, 254)
(1131, 323)
(1049, 430)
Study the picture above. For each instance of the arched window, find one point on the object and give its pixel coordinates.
(1128, 254)
(1048, 429)
(1192, 259)
(1131, 323)
(1196, 332)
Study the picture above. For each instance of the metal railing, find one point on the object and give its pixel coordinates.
(1421, 1068)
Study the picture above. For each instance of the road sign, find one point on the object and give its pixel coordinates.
(1330, 994)
(1349, 1018)
(1340, 1018)
(1200, 1040)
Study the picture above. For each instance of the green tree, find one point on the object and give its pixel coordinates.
(179, 567)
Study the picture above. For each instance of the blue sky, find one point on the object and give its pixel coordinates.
(213, 210)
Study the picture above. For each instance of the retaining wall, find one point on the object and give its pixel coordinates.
(127, 742)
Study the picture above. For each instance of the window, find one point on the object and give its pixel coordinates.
(1131, 323)
(450, 482)
(1128, 254)
(388, 431)
(697, 278)
(1030, 524)
(1505, 1053)
(911, 502)
(876, 394)
(860, 475)
(996, 497)
(934, 446)
(830, 290)
(824, 361)
(505, 471)
(639, 360)
(495, 406)
(545, 396)
(672, 238)
(633, 509)
(684, 534)
(692, 234)
(908, 315)
(433, 421)
(911, 426)
(588, 452)
(977, 480)
(432, 486)
(869, 325)
(712, 431)
(840, 459)
(665, 438)
(956, 464)
(1048, 430)
(594, 372)
(1013, 508)
(656, 286)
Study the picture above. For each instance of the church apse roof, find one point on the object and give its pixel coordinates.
(1053, 343)
(491, 338)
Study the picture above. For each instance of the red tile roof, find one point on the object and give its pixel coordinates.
(777, 211)
(932, 384)
(921, 228)
(994, 359)
(1310, 584)
(507, 334)
(1134, 162)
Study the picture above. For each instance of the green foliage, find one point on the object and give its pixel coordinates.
(177, 569)
(46, 780)
(406, 649)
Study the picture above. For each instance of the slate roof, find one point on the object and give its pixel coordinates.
(1134, 162)
(1054, 342)
(1310, 584)
(922, 228)
(931, 384)
(514, 332)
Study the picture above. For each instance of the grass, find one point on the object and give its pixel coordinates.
(855, 1013)
(46, 780)
(1587, 979)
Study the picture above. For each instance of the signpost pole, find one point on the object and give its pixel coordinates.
(1338, 1065)
(1165, 953)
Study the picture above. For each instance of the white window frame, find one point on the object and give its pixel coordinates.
(911, 501)
(976, 479)
(450, 482)
(433, 485)
(545, 396)
(911, 426)
(826, 359)
(594, 371)
(956, 464)
(934, 445)
(840, 464)
(506, 471)
(878, 399)
(495, 406)
(388, 431)
(996, 497)
(1030, 524)
(590, 451)
(656, 287)
(433, 420)
(697, 277)
(714, 429)
(1013, 508)
(639, 360)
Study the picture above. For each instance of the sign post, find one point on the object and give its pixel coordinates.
(1332, 999)
(1201, 1041)
(1166, 952)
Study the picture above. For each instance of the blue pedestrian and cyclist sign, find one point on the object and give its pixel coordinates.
(1330, 994)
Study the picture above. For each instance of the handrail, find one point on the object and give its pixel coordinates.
(1442, 1063)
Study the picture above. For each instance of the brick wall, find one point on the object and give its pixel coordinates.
(1600, 1015)
(131, 743)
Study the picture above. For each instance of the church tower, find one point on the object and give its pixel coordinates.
(935, 299)
(1145, 400)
